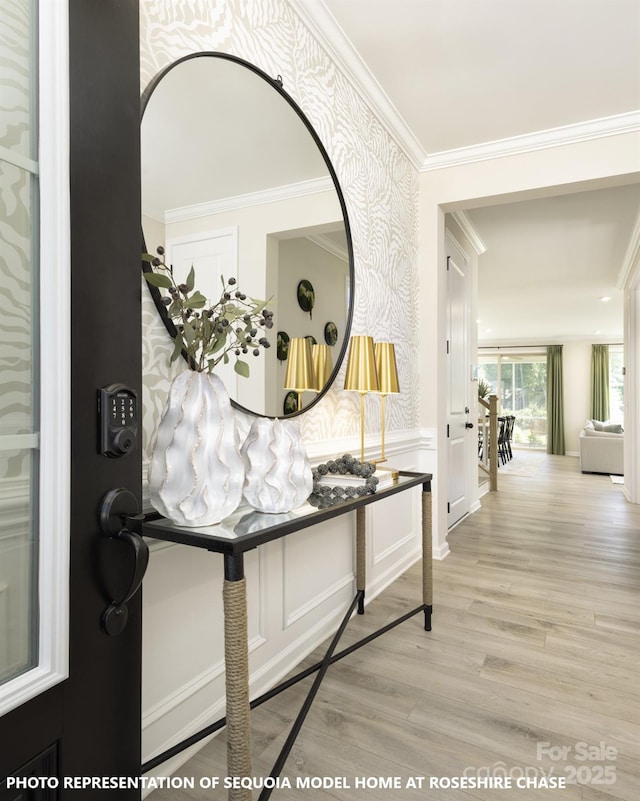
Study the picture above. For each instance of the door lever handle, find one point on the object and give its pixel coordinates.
(120, 518)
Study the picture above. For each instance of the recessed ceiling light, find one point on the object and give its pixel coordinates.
(597, 332)
(605, 299)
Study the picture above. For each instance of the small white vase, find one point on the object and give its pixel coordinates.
(277, 473)
(196, 473)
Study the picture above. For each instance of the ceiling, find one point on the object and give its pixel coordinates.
(460, 77)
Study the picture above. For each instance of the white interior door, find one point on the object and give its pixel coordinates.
(459, 367)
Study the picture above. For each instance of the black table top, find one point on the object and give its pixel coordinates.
(246, 528)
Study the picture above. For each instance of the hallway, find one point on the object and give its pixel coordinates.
(530, 670)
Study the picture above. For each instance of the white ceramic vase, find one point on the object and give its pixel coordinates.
(277, 473)
(196, 473)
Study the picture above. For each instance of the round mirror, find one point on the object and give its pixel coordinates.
(236, 183)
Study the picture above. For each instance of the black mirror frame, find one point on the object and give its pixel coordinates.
(275, 83)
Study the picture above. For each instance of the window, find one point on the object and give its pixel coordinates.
(19, 422)
(34, 348)
(520, 381)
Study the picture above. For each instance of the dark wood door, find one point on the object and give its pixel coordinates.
(89, 724)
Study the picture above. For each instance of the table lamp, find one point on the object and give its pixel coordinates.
(361, 375)
(385, 355)
(300, 376)
(322, 365)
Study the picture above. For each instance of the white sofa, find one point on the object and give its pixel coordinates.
(601, 452)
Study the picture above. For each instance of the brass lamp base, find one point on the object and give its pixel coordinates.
(395, 472)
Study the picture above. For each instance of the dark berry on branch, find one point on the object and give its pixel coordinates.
(156, 261)
(245, 349)
(232, 281)
(183, 288)
(268, 323)
(219, 328)
(160, 250)
(256, 352)
(242, 296)
(166, 301)
(227, 296)
(253, 332)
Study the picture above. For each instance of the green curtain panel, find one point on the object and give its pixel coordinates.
(599, 382)
(555, 401)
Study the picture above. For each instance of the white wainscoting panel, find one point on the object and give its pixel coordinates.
(310, 578)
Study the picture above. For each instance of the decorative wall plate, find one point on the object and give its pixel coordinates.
(282, 346)
(306, 296)
(290, 402)
(331, 333)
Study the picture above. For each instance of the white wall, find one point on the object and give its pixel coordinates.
(576, 361)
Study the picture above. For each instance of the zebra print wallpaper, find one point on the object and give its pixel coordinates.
(16, 167)
(379, 184)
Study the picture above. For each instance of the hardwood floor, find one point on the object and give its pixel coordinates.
(534, 651)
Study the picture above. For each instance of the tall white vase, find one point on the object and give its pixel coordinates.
(278, 476)
(196, 473)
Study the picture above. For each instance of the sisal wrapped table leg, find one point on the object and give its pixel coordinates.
(361, 557)
(427, 560)
(236, 655)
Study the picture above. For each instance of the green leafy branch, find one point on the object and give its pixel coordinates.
(207, 332)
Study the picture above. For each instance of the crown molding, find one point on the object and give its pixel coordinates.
(630, 269)
(275, 195)
(470, 231)
(327, 244)
(539, 140)
(322, 24)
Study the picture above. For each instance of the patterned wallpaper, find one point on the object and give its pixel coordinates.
(379, 184)
(16, 315)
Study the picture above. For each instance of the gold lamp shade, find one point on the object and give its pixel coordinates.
(322, 365)
(388, 379)
(386, 367)
(361, 375)
(300, 375)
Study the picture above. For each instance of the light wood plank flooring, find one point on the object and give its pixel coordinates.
(535, 640)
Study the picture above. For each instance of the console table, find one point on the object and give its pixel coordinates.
(241, 532)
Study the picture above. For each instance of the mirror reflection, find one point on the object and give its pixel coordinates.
(235, 184)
